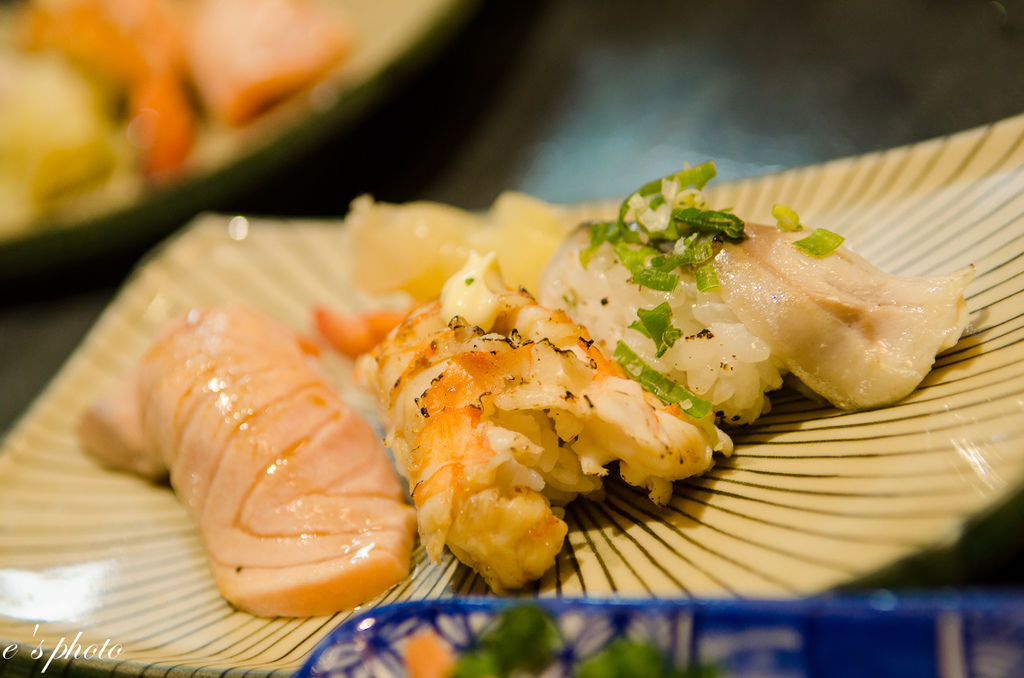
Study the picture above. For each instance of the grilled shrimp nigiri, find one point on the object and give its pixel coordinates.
(293, 497)
(491, 421)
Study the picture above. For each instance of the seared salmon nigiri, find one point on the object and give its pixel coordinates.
(293, 496)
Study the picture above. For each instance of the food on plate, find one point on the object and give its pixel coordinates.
(164, 82)
(293, 496)
(726, 308)
(497, 408)
(501, 409)
(247, 55)
(138, 48)
(851, 333)
(415, 247)
(354, 334)
(523, 640)
(56, 139)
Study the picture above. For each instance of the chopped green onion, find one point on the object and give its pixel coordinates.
(656, 280)
(523, 641)
(787, 218)
(820, 243)
(476, 664)
(634, 258)
(707, 279)
(709, 221)
(660, 385)
(635, 261)
(696, 249)
(607, 231)
(469, 281)
(692, 176)
(656, 325)
(625, 657)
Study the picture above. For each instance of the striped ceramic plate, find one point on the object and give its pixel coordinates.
(813, 499)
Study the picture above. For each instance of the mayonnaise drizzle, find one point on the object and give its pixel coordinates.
(473, 291)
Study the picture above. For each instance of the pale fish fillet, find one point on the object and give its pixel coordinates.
(855, 335)
(490, 428)
(292, 495)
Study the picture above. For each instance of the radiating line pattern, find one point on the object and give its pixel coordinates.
(811, 499)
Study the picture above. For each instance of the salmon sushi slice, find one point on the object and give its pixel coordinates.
(293, 496)
(248, 55)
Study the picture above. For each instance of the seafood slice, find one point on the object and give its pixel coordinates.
(292, 494)
(855, 335)
(248, 55)
(492, 427)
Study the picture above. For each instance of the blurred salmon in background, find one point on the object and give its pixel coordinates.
(136, 83)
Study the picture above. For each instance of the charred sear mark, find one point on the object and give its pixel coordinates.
(703, 334)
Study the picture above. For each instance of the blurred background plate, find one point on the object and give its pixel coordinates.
(928, 491)
(392, 39)
(882, 635)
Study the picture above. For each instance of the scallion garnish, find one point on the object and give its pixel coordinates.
(664, 388)
(820, 243)
(786, 218)
(707, 279)
(656, 280)
(656, 241)
(709, 221)
(606, 231)
(656, 325)
(635, 261)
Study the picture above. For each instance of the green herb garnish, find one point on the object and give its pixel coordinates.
(656, 280)
(635, 261)
(696, 177)
(686, 241)
(524, 640)
(656, 325)
(820, 243)
(667, 390)
(626, 658)
(469, 281)
(786, 217)
(709, 221)
(637, 659)
(707, 279)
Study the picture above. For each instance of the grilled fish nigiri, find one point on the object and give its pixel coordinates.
(491, 425)
(853, 334)
(293, 496)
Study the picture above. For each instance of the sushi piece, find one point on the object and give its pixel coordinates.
(500, 410)
(855, 335)
(726, 308)
(292, 495)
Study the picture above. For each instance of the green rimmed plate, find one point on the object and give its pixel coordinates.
(926, 491)
(392, 38)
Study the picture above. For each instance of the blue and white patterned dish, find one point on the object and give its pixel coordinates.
(876, 636)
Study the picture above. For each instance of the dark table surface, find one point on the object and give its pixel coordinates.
(576, 99)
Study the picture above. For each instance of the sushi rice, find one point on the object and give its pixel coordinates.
(716, 358)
